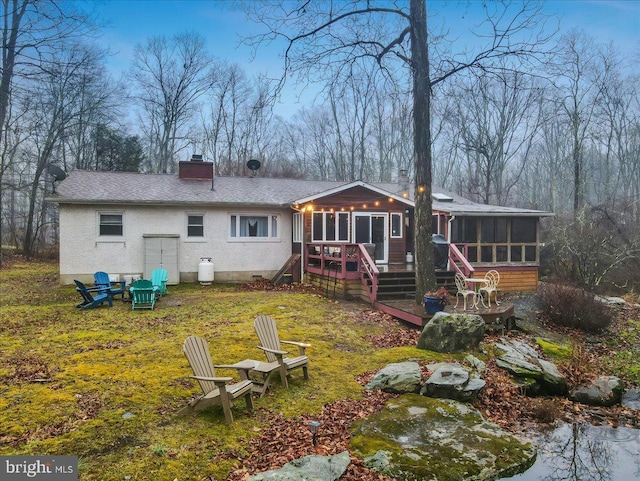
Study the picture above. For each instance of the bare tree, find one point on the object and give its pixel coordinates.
(170, 76)
(31, 30)
(328, 37)
(497, 120)
(236, 120)
(66, 94)
(578, 94)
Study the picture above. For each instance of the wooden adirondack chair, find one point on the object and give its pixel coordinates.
(270, 342)
(159, 280)
(91, 296)
(112, 289)
(143, 295)
(216, 390)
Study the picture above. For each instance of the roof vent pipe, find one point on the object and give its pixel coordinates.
(403, 182)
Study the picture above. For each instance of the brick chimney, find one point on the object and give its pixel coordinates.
(195, 168)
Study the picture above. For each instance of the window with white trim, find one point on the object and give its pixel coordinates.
(195, 225)
(110, 224)
(298, 232)
(247, 226)
(396, 225)
(330, 226)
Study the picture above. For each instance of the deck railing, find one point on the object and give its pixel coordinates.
(343, 261)
(459, 261)
(369, 269)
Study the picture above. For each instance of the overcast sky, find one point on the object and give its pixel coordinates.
(132, 21)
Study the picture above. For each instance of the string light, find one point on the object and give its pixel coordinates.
(375, 203)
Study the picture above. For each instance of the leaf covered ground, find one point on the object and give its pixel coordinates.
(105, 384)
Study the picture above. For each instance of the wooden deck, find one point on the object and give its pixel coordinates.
(497, 317)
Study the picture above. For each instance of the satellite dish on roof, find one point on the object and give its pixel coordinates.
(57, 174)
(253, 165)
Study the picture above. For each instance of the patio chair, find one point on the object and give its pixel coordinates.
(143, 295)
(270, 342)
(112, 289)
(159, 280)
(216, 390)
(91, 296)
(464, 291)
(491, 286)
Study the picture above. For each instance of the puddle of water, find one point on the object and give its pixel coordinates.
(582, 452)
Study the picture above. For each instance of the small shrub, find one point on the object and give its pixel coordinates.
(546, 410)
(572, 307)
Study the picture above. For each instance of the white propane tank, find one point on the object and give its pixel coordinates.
(205, 271)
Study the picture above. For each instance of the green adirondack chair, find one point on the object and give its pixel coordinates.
(143, 295)
(159, 280)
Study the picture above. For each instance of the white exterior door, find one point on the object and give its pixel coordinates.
(372, 228)
(162, 253)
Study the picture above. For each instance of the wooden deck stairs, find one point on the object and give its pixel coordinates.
(287, 268)
(402, 285)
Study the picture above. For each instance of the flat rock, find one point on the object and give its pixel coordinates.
(631, 399)
(309, 468)
(603, 391)
(451, 381)
(399, 378)
(420, 438)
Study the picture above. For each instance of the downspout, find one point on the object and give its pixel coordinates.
(451, 219)
(303, 249)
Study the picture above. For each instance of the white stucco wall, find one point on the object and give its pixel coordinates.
(83, 251)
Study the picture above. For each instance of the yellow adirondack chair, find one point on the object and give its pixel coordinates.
(216, 390)
(270, 343)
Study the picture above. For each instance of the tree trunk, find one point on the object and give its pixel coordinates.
(425, 270)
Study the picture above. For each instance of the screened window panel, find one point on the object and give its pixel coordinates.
(516, 254)
(530, 253)
(523, 229)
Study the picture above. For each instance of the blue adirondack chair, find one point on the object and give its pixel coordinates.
(112, 289)
(91, 296)
(143, 295)
(159, 280)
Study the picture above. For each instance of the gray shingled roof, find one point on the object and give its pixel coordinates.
(91, 187)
